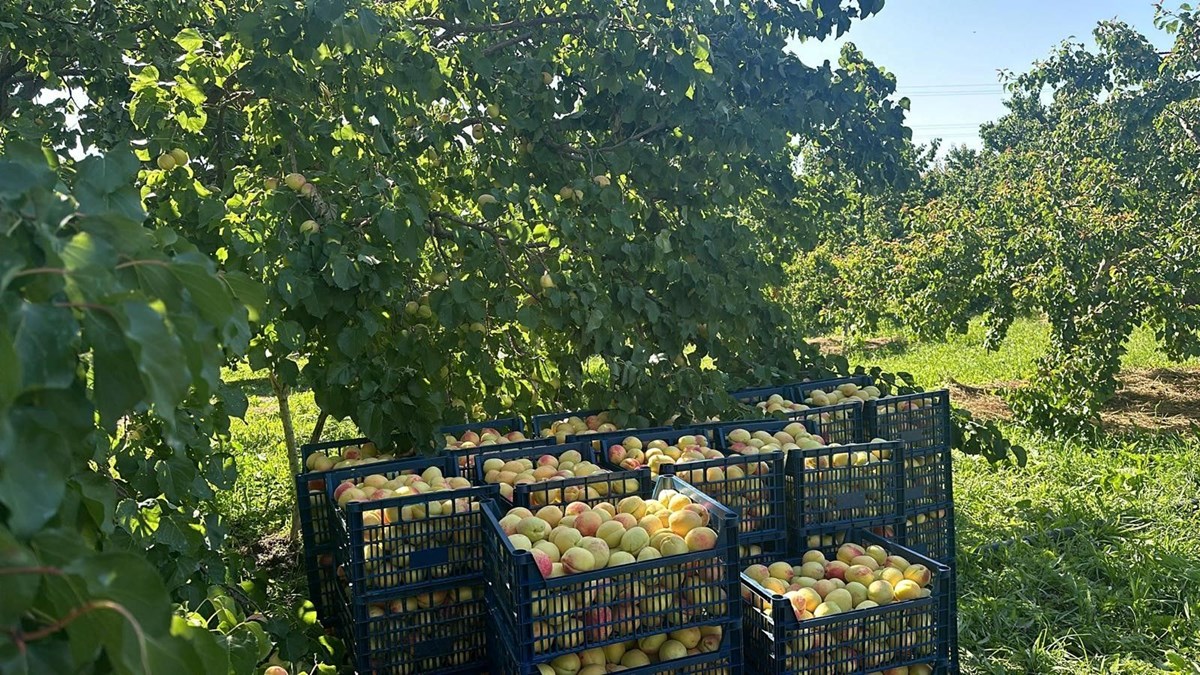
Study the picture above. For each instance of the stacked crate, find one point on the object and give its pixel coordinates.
(921, 421)
(902, 636)
(317, 540)
(538, 620)
(411, 571)
(752, 486)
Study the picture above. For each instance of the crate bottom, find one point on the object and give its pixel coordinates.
(725, 661)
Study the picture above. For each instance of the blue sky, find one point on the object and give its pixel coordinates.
(946, 53)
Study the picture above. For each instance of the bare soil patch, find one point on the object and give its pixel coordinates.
(984, 402)
(1158, 399)
(835, 345)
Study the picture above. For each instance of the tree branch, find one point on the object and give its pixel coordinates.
(65, 72)
(497, 238)
(1191, 133)
(454, 29)
(580, 153)
(319, 427)
(12, 69)
(22, 638)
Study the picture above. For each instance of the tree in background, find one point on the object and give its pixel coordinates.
(1082, 207)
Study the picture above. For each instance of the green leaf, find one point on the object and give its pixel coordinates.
(213, 657)
(130, 581)
(32, 483)
(99, 498)
(19, 589)
(206, 291)
(389, 225)
(45, 343)
(248, 644)
(159, 356)
(343, 273)
(10, 370)
(248, 291)
(105, 186)
(115, 380)
(189, 39)
(17, 177)
(189, 91)
(147, 78)
(221, 470)
(175, 476)
(91, 261)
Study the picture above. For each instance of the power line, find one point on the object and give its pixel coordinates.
(952, 94)
(952, 86)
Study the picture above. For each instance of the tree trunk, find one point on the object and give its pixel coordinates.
(289, 438)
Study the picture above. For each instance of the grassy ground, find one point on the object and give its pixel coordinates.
(1113, 595)
(964, 359)
(1122, 586)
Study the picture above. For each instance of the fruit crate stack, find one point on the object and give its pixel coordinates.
(318, 547)
(410, 561)
(316, 537)
(646, 582)
(867, 605)
(750, 485)
(921, 421)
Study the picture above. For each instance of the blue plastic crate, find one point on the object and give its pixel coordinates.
(668, 435)
(763, 553)
(827, 487)
(755, 492)
(557, 491)
(860, 641)
(310, 493)
(411, 541)
(725, 660)
(543, 421)
(721, 430)
(598, 440)
(801, 390)
(542, 618)
(465, 458)
(922, 420)
(610, 486)
(503, 424)
(441, 629)
(754, 395)
(841, 423)
(316, 537)
(824, 537)
(928, 478)
(930, 531)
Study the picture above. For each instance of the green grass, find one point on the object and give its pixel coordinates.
(1123, 587)
(1114, 595)
(260, 503)
(1110, 597)
(964, 357)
